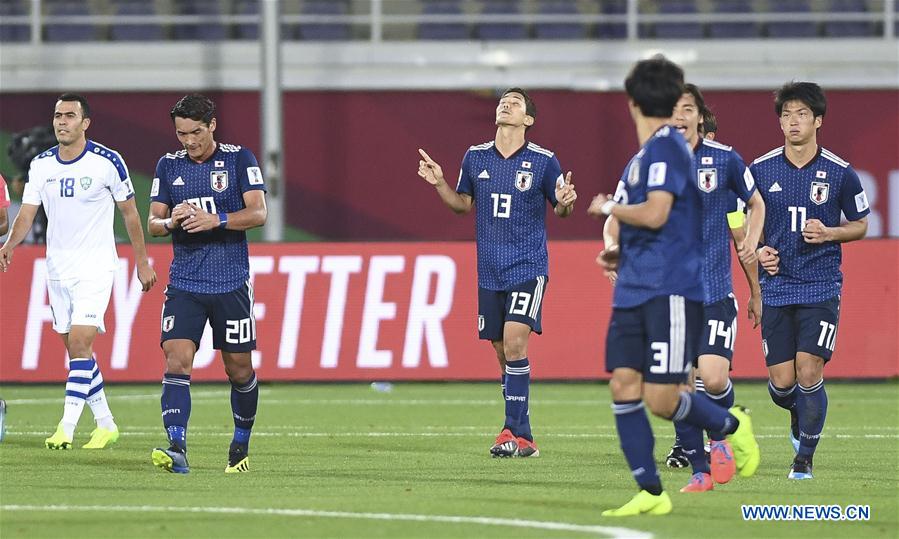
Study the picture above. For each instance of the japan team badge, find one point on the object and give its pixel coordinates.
(819, 192)
(708, 179)
(523, 180)
(218, 180)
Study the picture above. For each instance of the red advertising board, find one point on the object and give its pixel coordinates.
(406, 311)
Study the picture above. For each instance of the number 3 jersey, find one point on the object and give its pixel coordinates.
(825, 187)
(217, 260)
(510, 197)
(78, 197)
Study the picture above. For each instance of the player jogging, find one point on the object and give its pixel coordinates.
(806, 188)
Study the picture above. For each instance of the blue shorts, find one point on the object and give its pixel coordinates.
(658, 338)
(719, 328)
(810, 328)
(520, 303)
(230, 315)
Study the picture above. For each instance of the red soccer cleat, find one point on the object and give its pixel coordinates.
(700, 482)
(505, 446)
(527, 448)
(722, 461)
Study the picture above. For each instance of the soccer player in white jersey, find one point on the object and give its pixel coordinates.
(807, 189)
(78, 182)
(508, 182)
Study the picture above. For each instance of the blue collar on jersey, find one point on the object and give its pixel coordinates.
(87, 146)
(516, 152)
(812, 160)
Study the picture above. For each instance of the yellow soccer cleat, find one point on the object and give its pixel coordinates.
(102, 438)
(238, 461)
(643, 503)
(59, 440)
(746, 450)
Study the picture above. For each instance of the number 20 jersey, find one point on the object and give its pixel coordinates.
(822, 189)
(215, 261)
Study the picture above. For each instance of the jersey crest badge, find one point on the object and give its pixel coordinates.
(168, 323)
(480, 322)
(708, 179)
(523, 180)
(819, 192)
(633, 173)
(85, 182)
(218, 180)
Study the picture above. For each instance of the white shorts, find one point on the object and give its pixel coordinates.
(80, 301)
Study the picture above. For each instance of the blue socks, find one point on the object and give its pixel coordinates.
(811, 405)
(699, 411)
(518, 381)
(244, 400)
(785, 397)
(725, 400)
(502, 384)
(637, 444)
(176, 408)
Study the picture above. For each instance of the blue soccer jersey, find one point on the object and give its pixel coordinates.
(822, 189)
(721, 175)
(667, 261)
(215, 261)
(510, 197)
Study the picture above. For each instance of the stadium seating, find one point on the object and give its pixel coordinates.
(549, 30)
(612, 30)
(733, 30)
(212, 30)
(442, 30)
(791, 29)
(848, 28)
(131, 31)
(501, 30)
(13, 32)
(324, 31)
(55, 32)
(678, 30)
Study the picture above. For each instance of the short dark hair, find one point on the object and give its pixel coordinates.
(530, 108)
(709, 122)
(809, 93)
(655, 85)
(194, 107)
(85, 108)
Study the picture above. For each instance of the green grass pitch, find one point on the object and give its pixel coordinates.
(346, 461)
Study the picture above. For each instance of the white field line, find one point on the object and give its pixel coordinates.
(610, 531)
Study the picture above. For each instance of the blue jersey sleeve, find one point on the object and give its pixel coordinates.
(464, 185)
(741, 180)
(552, 177)
(249, 174)
(666, 171)
(159, 191)
(853, 200)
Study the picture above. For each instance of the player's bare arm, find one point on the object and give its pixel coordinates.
(159, 222)
(4, 221)
(565, 195)
(145, 273)
(746, 249)
(816, 232)
(20, 228)
(751, 271)
(252, 216)
(652, 214)
(432, 173)
(610, 255)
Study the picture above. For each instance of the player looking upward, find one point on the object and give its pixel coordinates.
(509, 180)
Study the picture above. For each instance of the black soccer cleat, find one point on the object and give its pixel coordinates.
(238, 461)
(677, 457)
(801, 468)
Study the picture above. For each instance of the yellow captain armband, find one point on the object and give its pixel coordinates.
(735, 219)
